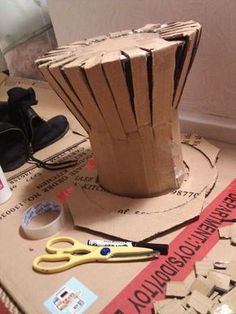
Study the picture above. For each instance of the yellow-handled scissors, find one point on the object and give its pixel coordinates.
(78, 253)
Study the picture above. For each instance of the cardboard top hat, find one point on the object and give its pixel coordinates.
(124, 88)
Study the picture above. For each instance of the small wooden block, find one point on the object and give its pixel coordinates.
(202, 267)
(200, 302)
(231, 295)
(225, 232)
(231, 271)
(176, 289)
(203, 286)
(172, 308)
(220, 280)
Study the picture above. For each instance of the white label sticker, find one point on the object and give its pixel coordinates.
(72, 298)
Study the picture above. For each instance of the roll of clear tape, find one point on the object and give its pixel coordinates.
(39, 232)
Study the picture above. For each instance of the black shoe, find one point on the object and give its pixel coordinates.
(40, 133)
(4, 116)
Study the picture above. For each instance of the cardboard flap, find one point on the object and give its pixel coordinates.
(163, 91)
(140, 84)
(54, 84)
(93, 114)
(112, 66)
(103, 96)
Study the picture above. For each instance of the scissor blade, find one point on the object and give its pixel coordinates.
(132, 256)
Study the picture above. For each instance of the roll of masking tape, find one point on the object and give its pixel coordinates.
(35, 232)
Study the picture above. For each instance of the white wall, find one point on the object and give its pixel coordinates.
(211, 86)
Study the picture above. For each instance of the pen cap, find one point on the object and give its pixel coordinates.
(5, 192)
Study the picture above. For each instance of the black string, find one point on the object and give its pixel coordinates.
(53, 166)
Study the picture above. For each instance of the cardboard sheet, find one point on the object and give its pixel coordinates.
(121, 217)
(106, 279)
(29, 289)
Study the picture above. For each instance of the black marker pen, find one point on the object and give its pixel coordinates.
(162, 248)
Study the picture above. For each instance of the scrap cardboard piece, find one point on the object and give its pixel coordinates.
(231, 271)
(176, 289)
(231, 295)
(233, 234)
(200, 302)
(215, 296)
(202, 267)
(225, 232)
(113, 215)
(197, 302)
(132, 80)
(173, 308)
(228, 232)
(158, 305)
(221, 281)
(202, 285)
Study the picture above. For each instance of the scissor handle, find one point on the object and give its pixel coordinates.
(75, 245)
(68, 259)
(52, 258)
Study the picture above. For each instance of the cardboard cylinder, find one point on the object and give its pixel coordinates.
(142, 165)
(125, 88)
